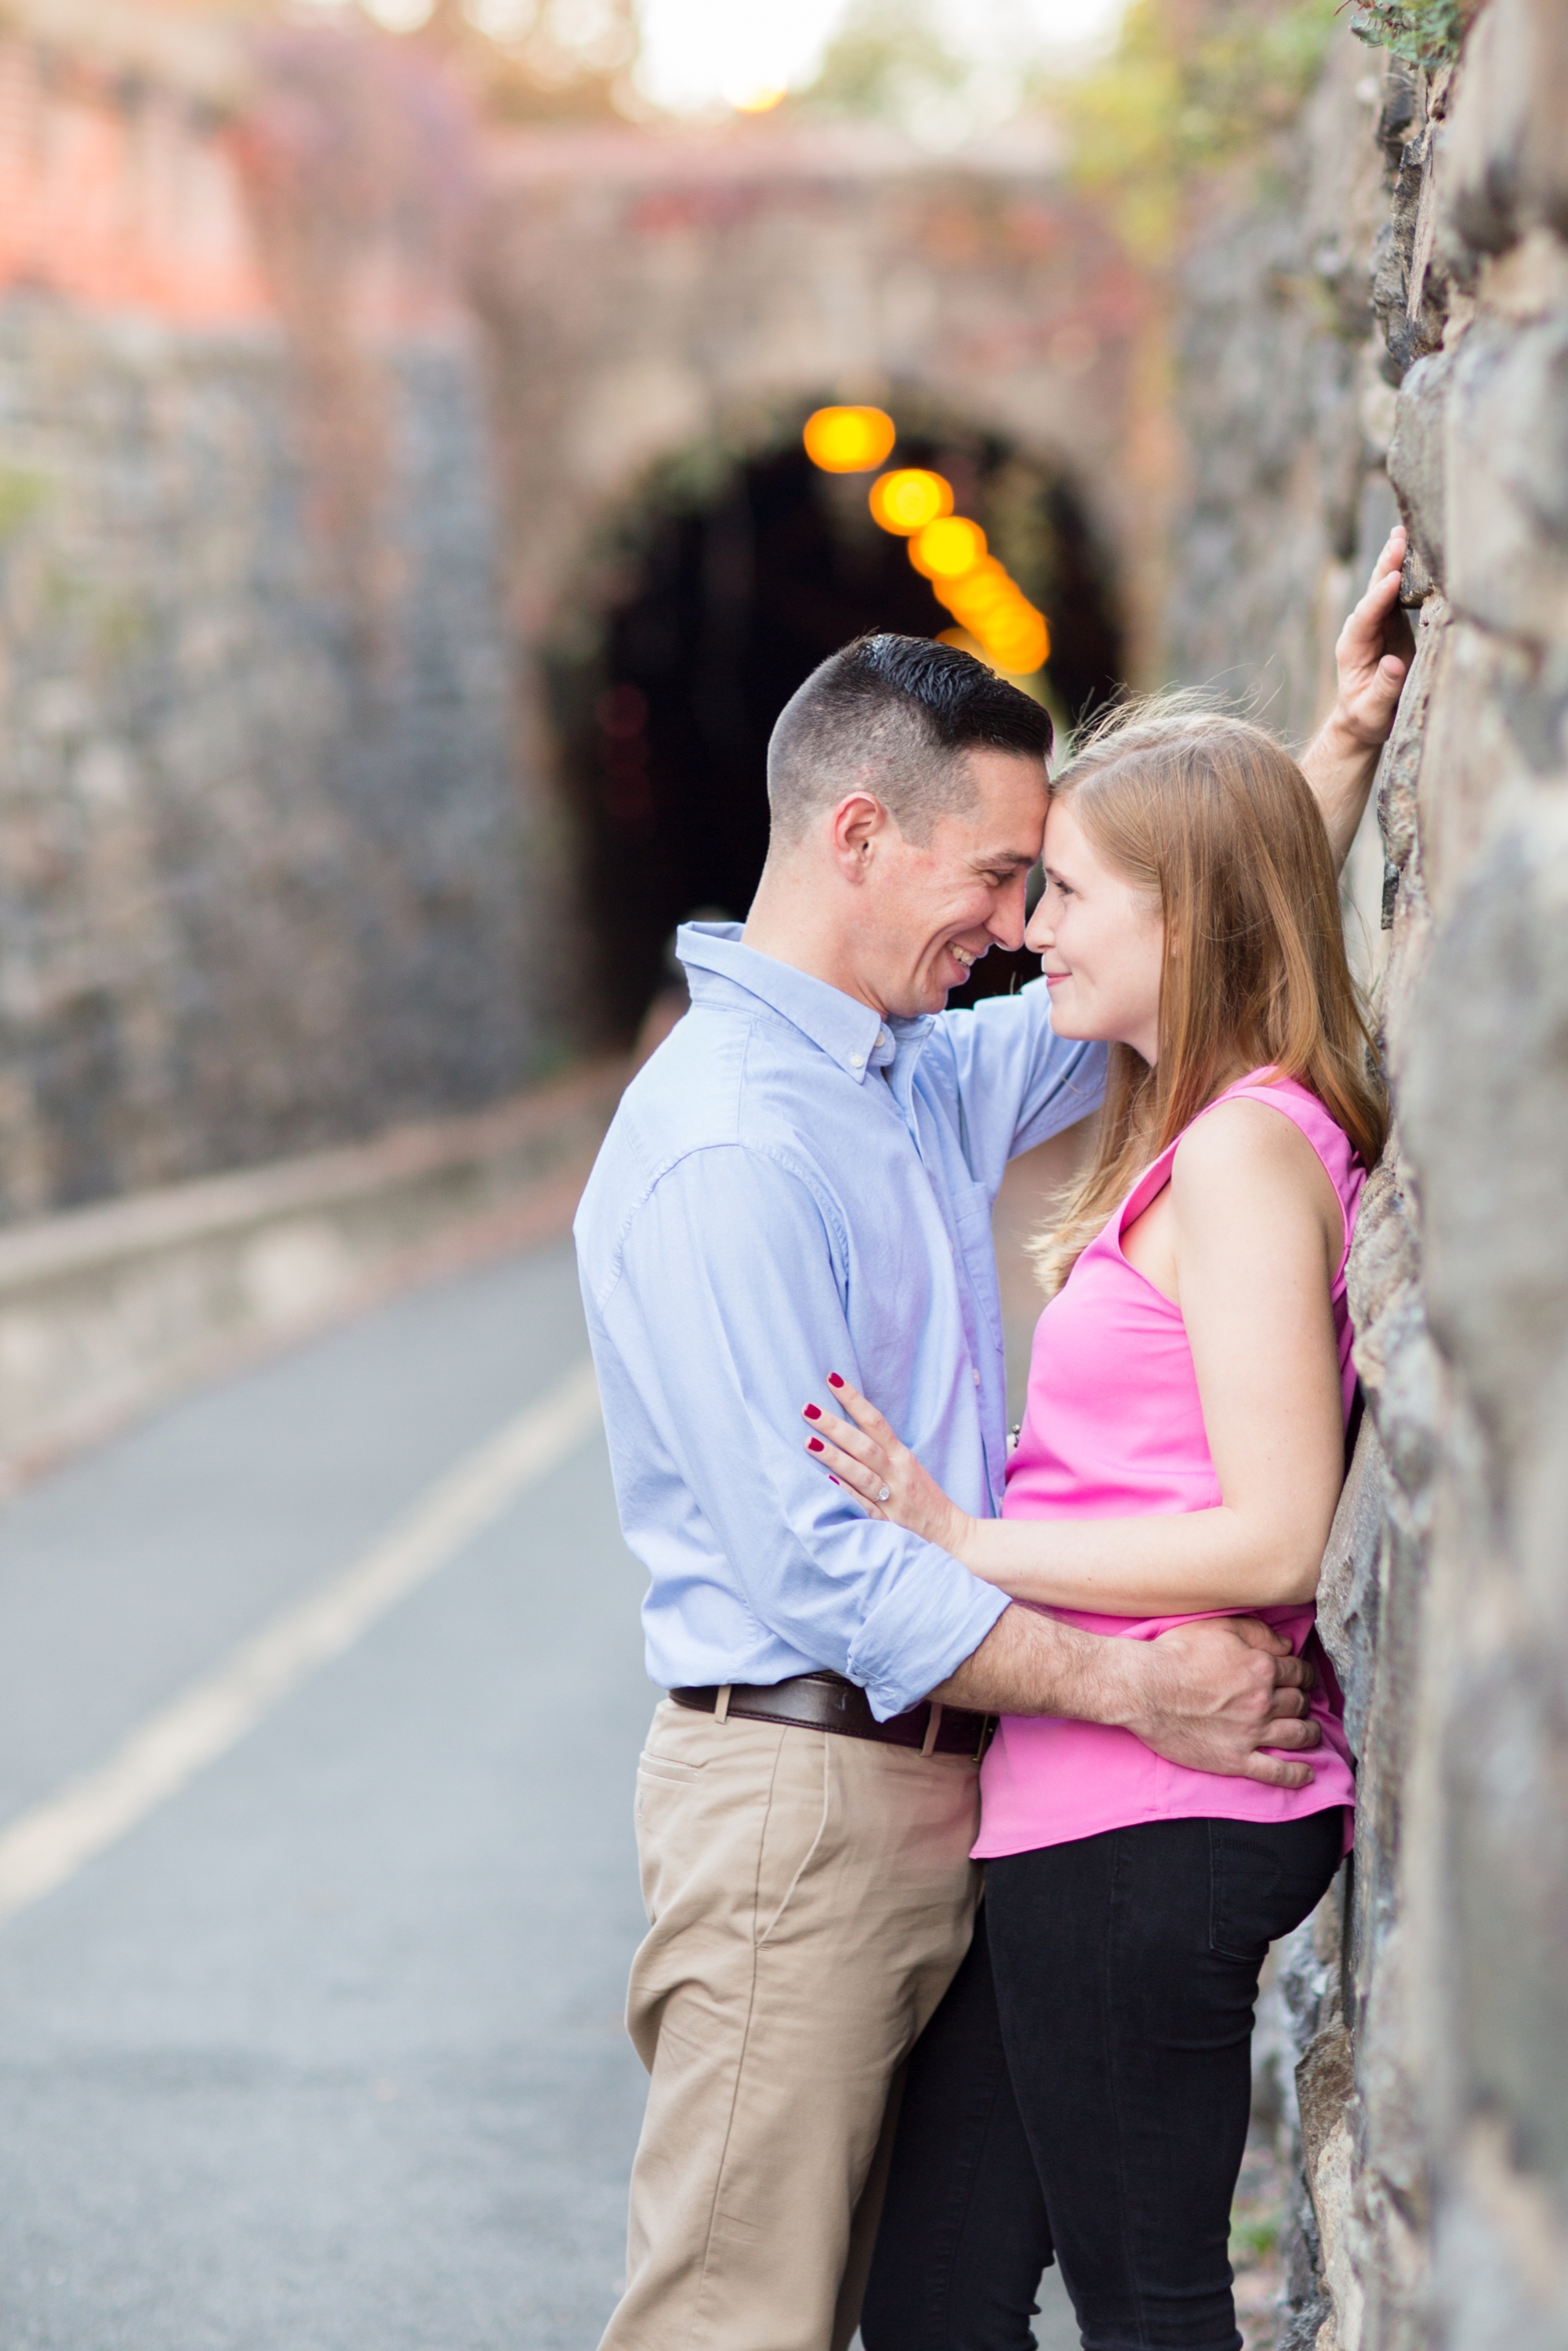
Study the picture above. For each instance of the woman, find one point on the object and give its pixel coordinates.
(1085, 2085)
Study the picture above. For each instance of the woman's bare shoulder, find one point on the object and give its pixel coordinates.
(1243, 1156)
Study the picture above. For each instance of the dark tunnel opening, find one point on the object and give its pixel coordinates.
(727, 595)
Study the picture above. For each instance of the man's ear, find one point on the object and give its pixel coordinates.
(858, 827)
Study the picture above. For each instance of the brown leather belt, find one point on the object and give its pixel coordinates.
(825, 1701)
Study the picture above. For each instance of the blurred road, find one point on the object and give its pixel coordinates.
(326, 2053)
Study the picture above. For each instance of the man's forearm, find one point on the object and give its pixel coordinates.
(1216, 1695)
(1339, 768)
(1029, 1664)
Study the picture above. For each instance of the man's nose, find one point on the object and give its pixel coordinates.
(1009, 915)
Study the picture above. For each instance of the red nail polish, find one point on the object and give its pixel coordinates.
(813, 1412)
(834, 1380)
(814, 1445)
(832, 1481)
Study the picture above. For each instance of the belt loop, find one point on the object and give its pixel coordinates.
(721, 1711)
(933, 1726)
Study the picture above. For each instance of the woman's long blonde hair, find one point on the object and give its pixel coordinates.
(1211, 817)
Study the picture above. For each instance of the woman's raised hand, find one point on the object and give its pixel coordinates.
(864, 1455)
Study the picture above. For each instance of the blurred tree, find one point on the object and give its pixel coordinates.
(543, 60)
(892, 61)
(1190, 85)
(887, 61)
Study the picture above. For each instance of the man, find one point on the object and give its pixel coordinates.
(799, 1183)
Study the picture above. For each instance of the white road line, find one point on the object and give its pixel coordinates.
(45, 1846)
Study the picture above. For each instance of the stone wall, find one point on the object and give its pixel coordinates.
(263, 882)
(1430, 346)
(270, 877)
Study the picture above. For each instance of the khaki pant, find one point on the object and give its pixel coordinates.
(809, 1898)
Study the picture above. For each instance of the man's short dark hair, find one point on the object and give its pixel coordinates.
(894, 715)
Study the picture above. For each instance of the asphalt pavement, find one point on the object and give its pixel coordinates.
(326, 2052)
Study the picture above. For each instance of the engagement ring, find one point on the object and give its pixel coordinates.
(883, 1493)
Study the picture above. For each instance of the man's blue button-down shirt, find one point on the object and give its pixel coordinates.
(792, 1186)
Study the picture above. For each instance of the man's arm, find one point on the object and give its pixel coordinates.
(1373, 659)
(1015, 1080)
(1211, 1695)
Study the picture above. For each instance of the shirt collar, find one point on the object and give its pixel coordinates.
(844, 1027)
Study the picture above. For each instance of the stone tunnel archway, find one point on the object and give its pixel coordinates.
(711, 595)
(660, 314)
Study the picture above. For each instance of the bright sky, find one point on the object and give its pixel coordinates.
(697, 52)
(702, 54)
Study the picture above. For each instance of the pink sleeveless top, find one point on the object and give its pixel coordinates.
(1114, 1428)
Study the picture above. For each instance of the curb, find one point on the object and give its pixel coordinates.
(108, 1311)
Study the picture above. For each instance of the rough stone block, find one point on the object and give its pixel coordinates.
(1486, 1118)
(1507, 474)
(1506, 160)
(1325, 2093)
(1483, 727)
(1347, 1587)
(1416, 462)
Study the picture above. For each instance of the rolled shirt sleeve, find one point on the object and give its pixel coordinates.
(725, 1310)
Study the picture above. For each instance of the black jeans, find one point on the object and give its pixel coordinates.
(1084, 2091)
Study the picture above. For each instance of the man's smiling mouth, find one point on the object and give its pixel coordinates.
(968, 958)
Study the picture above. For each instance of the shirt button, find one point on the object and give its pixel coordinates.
(975, 1378)
(857, 1061)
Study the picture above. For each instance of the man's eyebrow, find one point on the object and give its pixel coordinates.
(1005, 857)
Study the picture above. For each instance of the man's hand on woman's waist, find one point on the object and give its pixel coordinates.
(1214, 1696)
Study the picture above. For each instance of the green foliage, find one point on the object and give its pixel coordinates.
(1254, 2238)
(1427, 33)
(890, 61)
(1184, 93)
(886, 58)
(22, 493)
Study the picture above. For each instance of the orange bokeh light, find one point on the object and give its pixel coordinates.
(1020, 647)
(947, 547)
(905, 502)
(849, 439)
(984, 589)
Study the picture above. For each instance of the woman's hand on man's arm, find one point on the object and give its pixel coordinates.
(866, 1454)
